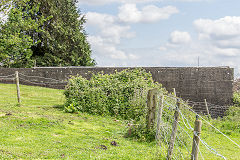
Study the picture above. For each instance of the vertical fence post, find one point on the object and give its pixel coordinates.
(152, 105)
(18, 88)
(174, 92)
(196, 139)
(159, 116)
(205, 101)
(174, 131)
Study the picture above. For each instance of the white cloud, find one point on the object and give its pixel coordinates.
(229, 52)
(110, 30)
(133, 56)
(115, 32)
(227, 27)
(178, 37)
(228, 43)
(129, 13)
(108, 27)
(98, 19)
(103, 48)
(105, 42)
(103, 2)
(96, 2)
(223, 34)
(218, 43)
(152, 13)
(108, 51)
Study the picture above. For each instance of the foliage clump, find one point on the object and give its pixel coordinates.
(122, 94)
(43, 32)
(230, 124)
(15, 34)
(236, 99)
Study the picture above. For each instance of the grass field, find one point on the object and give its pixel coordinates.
(40, 129)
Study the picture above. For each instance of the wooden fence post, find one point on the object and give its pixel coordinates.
(174, 132)
(159, 116)
(152, 105)
(174, 92)
(196, 139)
(205, 101)
(18, 88)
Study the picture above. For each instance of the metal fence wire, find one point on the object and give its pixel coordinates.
(30, 96)
(177, 136)
(187, 138)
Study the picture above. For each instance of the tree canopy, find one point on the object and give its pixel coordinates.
(45, 32)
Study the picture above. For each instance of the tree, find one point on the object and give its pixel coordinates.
(60, 39)
(15, 41)
(63, 41)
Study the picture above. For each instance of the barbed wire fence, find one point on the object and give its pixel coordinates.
(178, 124)
(12, 94)
(178, 131)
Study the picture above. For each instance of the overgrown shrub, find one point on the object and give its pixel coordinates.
(229, 124)
(236, 98)
(122, 95)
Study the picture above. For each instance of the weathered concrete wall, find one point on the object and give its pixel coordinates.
(196, 84)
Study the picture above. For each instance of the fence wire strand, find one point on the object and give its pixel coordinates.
(185, 127)
(11, 75)
(213, 127)
(56, 80)
(185, 131)
(36, 96)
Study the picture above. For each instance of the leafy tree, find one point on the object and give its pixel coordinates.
(54, 37)
(63, 41)
(15, 41)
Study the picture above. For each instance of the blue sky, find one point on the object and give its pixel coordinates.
(163, 32)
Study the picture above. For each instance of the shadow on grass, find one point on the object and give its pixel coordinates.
(59, 107)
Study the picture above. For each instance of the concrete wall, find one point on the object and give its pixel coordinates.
(196, 84)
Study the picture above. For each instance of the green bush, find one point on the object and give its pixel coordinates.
(236, 98)
(122, 95)
(229, 124)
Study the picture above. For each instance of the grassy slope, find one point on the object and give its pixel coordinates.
(39, 130)
(221, 144)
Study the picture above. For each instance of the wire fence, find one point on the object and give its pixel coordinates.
(31, 96)
(177, 136)
(207, 108)
(187, 141)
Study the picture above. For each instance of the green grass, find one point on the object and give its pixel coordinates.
(30, 96)
(221, 144)
(40, 129)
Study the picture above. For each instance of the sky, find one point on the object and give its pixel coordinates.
(163, 33)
